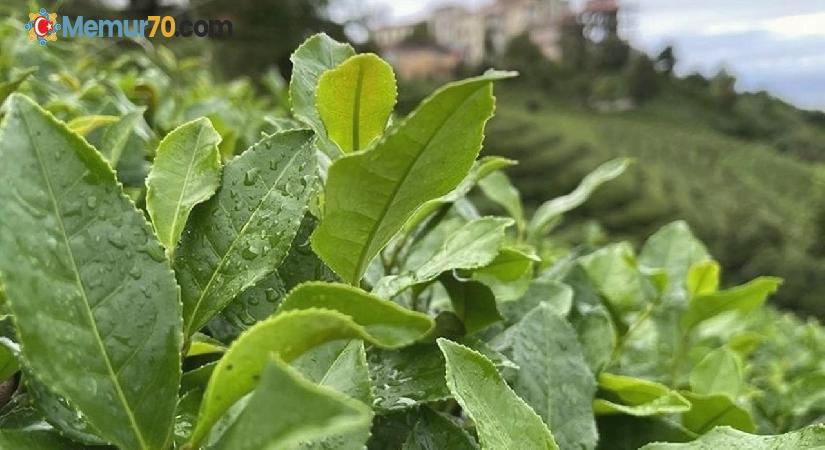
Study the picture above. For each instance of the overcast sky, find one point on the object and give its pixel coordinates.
(776, 45)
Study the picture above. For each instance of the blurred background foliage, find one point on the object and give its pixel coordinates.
(745, 170)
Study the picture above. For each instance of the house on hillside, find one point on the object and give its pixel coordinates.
(461, 36)
(600, 19)
(416, 61)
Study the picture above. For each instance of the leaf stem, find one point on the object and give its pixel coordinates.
(617, 350)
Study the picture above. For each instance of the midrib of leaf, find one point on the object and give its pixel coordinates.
(356, 110)
(363, 254)
(171, 249)
(332, 365)
(87, 309)
(236, 238)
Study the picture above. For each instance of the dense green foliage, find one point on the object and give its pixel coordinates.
(291, 272)
(687, 169)
(704, 150)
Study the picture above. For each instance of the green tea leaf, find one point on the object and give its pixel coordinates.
(84, 125)
(743, 298)
(636, 397)
(809, 438)
(299, 327)
(719, 372)
(342, 366)
(339, 365)
(498, 188)
(203, 345)
(703, 278)
(553, 376)
(8, 363)
(186, 171)
(370, 195)
(674, 249)
(286, 410)
(473, 303)
(355, 100)
(485, 397)
(630, 432)
(435, 431)
(598, 336)
(481, 168)
(196, 379)
(35, 440)
(60, 414)
(615, 274)
(387, 321)
(261, 301)
(315, 56)
(407, 377)
(473, 245)
(94, 299)
(710, 411)
(117, 135)
(508, 275)
(552, 210)
(186, 415)
(244, 231)
(557, 295)
(251, 306)
(8, 87)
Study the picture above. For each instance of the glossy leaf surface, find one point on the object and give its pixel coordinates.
(286, 410)
(186, 171)
(551, 211)
(473, 245)
(482, 393)
(298, 328)
(637, 397)
(315, 56)
(553, 376)
(355, 100)
(809, 438)
(370, 195)
(95, 302)
(245, 230)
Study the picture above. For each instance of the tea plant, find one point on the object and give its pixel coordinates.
(335, 286)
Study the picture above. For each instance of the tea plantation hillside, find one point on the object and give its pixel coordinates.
(747, 199)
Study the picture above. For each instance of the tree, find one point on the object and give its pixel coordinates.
(722, 90)
(642, 79)
(666, 60)
(611, 53)
(265, 32)
(525, 57)
(573, 44)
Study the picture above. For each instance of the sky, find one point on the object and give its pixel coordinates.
(773, 45)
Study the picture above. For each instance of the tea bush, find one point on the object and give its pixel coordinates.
(306, 270)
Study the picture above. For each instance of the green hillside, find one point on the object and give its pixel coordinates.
(754, 202)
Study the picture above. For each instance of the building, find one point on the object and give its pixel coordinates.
(600, 19)
(412, 61)
(469, 37)
(461, 31)
(540, 19)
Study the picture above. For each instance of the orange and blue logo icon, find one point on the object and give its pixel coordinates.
(42, 26)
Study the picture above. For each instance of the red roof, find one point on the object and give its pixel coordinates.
(601, 6)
